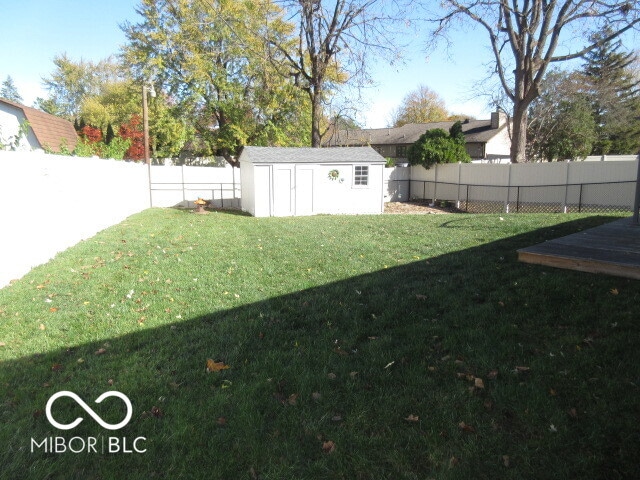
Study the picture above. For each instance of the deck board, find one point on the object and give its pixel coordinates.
(612, 249)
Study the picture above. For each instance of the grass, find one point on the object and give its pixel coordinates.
(368, 347)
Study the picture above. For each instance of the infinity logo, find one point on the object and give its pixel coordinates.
(88, 409)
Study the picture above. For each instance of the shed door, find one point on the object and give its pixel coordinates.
(304, 191)
(282, 191)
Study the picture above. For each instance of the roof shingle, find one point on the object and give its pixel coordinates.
(50, 131)
(310, 155)
(474, 131)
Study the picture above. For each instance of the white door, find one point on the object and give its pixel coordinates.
(304, 191)
(282, 191)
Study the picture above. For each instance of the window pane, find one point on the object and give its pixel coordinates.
(361, 175)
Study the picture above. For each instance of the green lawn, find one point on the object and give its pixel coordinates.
(358, 347)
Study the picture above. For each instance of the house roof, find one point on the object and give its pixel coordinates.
(49, 130)
(310, 155)
(475, 131)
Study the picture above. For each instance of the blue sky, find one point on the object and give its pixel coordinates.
(34, 31)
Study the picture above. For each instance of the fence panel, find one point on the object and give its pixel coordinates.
(541, 187)
(50, 202)
(180, 186)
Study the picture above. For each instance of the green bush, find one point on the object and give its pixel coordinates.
(438, 146)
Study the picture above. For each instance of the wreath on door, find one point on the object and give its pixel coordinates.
(334, 174)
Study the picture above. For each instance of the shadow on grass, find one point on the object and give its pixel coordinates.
(373, 377)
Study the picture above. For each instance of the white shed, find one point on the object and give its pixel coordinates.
(280, 182)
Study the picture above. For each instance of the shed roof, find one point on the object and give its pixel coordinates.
(475, 131)
(50, 131)
(310, 155)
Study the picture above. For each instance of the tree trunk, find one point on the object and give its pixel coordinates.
(316, 116)
(519, 132)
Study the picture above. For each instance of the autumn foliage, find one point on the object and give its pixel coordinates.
(129, 144)
(91, 134)
(133, 131)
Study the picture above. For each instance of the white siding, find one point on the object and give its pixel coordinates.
(11, 119)
(499, 146)
(306, 189)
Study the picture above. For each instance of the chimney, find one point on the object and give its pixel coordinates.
(495, 119)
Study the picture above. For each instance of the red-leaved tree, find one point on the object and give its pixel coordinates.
(91, 134)
(132, 130)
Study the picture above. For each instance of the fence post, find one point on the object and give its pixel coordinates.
(580, 199)
(506, 201)
(435, 186)
(636, 202)
(184, 193)
(566, 188)
(458, 189)
(466, 205)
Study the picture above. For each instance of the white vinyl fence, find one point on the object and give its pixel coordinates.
(529, 187)
(51, 202)
(179, 186)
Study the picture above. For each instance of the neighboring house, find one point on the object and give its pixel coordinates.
(45, 131)
(280, 181)
(485, 139)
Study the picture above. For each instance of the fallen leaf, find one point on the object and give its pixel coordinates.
(552, 392)
(328, 447)
(222, 421)
(389, 364)
(505, 460)
(331, 376)
(100, 351)
(293, 399)
(466, 428)
(522, 369)
(573, 413)
(492, 375)
(478, 383)
(552, 428)
(336, 418)
(412, 418)
(316, 396)
(53, 309)
(56, 367)
(156, 412)
(2, 344)
(215, 366)
(614, 291)
(420, 297)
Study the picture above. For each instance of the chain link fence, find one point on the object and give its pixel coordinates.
(605, 197)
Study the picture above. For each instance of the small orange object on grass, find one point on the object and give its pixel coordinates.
(200, 204)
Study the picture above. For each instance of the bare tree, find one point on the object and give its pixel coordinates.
(527, 36)
(334, 40)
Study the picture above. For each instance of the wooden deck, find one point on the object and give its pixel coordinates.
(612, 249)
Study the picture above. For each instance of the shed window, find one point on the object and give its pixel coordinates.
(361, 175)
